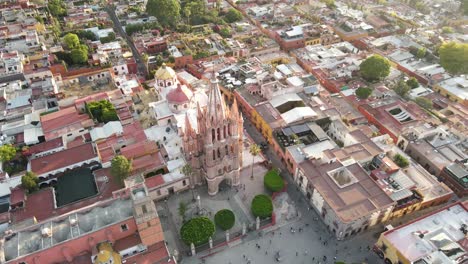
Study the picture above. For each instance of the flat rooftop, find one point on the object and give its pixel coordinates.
(70, 226)
(62, 159)
(437, 237)
(349, 191)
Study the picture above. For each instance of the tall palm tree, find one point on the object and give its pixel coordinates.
(187, 171)
(254, 151)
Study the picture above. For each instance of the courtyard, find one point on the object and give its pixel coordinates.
(75, 185)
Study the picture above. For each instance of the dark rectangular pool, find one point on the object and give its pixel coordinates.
(75, 185)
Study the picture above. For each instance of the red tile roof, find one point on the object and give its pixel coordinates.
(45, 146)
(17, 195)
(148, 162)
(41, 204)
(62, 159)
(63, 121)
(132, 134)
(139, 149)
(154, 181)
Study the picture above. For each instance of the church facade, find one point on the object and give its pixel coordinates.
(213, 148)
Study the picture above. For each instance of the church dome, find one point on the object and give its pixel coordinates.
(177, 96)
(165, 73)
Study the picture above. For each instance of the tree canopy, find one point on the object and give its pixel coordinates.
(412, 83)
(225, 219)
(363, 92)
(197, 231)
(79, 55)
(262, 206)
(57, 8)
(424, 102)
(375, 68)
(401, 161)
(454, 57)
(273, 181)
(7, 152)
(29, 182)
(120, 168)
(72, 41)
(103, 111)
(233, 15)
(166, 11)
(402, 88)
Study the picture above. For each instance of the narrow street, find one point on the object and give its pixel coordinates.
(142, 70)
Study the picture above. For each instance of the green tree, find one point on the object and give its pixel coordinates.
(79, 55)
(254, 151)
(225, 32)
(109, 38)
(159, 60)
(197, 231)
(401, 88)
(233, 15)
(363, 92)
(401, 161)
(375, 68)
(7, 152)
(120, 168)
(412, 83)
(262, 206)
(72, 41)
(29, 181)
(166, 11)
(454, 57)
(225, 219)
(273, 181)
(421, 53)
(57, 8)
(424, 102)
(103, 111)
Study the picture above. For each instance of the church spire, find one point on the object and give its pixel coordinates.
(216, 108)
(188, 126)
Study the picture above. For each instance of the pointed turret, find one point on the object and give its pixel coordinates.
(235, 109)
(188, 127)
(216, 108)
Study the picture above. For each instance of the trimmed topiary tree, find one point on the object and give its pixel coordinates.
(273, 181)
(262, 206)
(197, 231)
(225, 219)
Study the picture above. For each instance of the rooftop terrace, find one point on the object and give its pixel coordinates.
(60, 229)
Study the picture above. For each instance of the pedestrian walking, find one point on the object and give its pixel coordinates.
(266, 252)
(297, 253)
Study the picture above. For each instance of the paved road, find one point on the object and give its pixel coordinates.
(142, 70)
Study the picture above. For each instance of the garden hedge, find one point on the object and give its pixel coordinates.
(273, 181)
(197, 231)
(262, 206)
(225, 219)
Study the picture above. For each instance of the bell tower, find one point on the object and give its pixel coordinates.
(218, 141)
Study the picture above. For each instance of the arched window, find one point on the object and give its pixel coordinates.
(219, 134)
(224, 131)
(219, 153)
(229, 130)
(213, 135)
(214, 155)
(226, 150)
